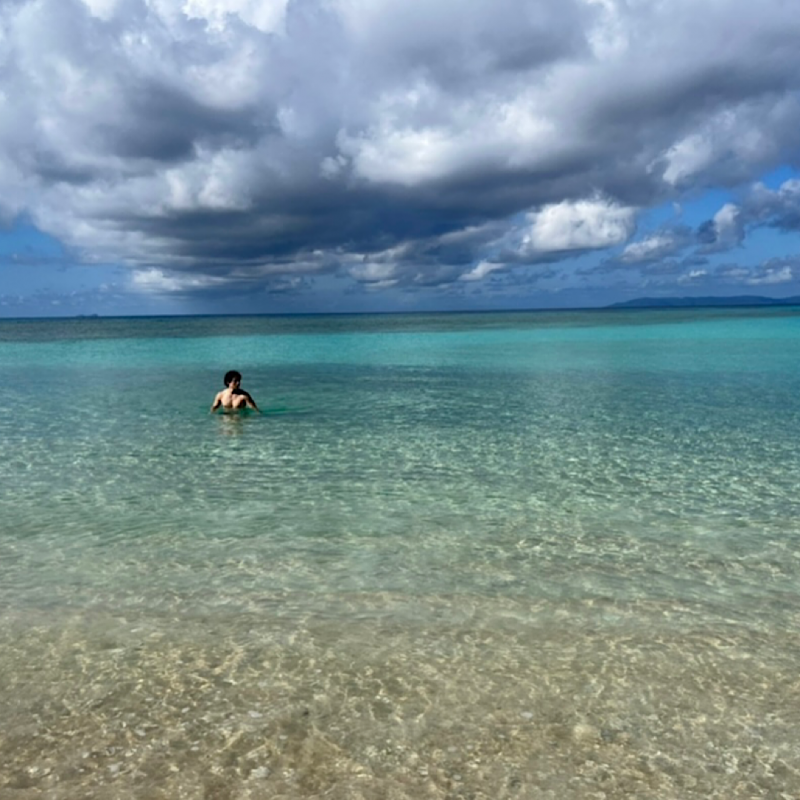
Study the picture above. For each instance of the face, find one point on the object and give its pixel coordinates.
(234, 384)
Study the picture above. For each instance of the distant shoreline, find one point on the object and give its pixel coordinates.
(736, 301)
(706, 302)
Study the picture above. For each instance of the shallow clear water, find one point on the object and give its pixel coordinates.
(491, 555)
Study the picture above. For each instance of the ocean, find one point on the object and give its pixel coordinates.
(545, 555)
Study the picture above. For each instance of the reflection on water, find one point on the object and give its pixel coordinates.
(231, 424)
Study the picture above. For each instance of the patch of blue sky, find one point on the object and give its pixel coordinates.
(24, 237)
(763, 244)
(774, 179)
(33, 261)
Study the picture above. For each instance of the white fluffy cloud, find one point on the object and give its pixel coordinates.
(583, 225)
(264, 15)
(208, 144)
(484, 133)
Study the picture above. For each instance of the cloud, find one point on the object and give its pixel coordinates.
(731, 142)
(723, 232)
(692, 276)
(266, 16)
(156, 281)
(215, 146)
(439, 260)
(774, 271)
(374, 274)
(777, 208)
(656, 247)
(568, 226)
(481, 270)
(483, 134)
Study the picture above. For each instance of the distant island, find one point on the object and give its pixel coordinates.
(689, 302)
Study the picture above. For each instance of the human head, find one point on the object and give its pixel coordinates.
(231, 376)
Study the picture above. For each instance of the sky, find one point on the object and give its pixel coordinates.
(302, 156)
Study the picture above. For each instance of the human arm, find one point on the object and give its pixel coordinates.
(250, 402)
(216, 404)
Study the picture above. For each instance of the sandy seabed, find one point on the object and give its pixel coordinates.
(508, 700)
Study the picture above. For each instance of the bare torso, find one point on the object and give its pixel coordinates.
(232, 399)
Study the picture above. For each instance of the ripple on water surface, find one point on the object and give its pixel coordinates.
(536, 560)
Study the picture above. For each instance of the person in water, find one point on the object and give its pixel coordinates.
(233, 397)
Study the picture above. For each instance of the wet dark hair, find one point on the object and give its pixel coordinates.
(232, 375)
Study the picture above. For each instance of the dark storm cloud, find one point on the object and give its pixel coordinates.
(161, 123)
(217, 146)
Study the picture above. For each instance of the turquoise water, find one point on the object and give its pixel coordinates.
(490, 555)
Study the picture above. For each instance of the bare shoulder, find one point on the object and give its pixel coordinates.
(217, 401)
(249, 400)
